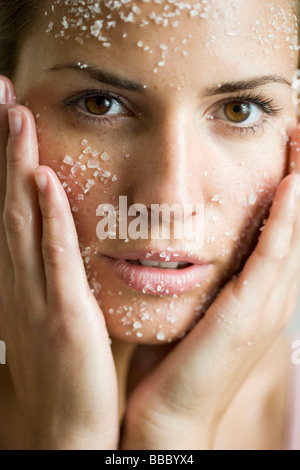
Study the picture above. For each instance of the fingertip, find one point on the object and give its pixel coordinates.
(47, 180)
(25, 114)
(41, 180)
(10, 95)
(15, 120)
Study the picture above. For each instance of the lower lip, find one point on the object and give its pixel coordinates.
(155, 281)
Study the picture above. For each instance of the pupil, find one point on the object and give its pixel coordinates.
(98, 105)
(237, 112)
(102, 102)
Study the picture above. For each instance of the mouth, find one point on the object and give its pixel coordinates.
(158, 264)
(156, 277)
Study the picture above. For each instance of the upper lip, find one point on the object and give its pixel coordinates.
(162, 256)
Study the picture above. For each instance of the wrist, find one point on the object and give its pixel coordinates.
(79, 439)
(167, 435)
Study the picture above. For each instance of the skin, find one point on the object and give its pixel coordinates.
(194, 159)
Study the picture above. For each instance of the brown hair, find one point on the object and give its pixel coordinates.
(16, 19)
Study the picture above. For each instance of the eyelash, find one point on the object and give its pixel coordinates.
(264, 103)
(109, 120)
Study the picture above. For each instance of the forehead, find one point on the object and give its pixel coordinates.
(163, 36)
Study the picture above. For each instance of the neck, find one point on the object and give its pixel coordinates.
(122, 353)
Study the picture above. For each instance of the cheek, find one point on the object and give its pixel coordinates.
(90, 173)
(238, 197)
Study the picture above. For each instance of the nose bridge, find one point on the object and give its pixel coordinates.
(168, 163)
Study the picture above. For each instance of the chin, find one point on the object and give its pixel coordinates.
(149, 319)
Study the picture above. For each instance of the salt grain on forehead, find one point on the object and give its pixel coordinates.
(83, 16)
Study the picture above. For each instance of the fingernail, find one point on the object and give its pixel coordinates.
(15, 122)
(41, 181)
(2, 92)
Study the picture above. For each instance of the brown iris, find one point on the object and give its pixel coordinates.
(97, 105)
(237, 112)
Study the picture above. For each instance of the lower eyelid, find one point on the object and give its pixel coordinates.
(84, 118)
(242, 131)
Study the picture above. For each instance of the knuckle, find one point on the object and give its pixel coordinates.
(53, 251)
(15, 220)
(274, 255)
(14, 160)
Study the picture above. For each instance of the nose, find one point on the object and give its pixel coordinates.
(169, 169)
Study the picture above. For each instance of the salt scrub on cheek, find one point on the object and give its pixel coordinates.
(164, 103)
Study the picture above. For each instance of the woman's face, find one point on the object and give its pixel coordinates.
(197, 108)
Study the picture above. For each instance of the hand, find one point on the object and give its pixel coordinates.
(57, 344)
(180, 403)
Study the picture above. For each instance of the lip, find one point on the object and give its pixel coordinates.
(158, 281)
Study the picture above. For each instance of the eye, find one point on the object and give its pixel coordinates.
(98, 105)
(238, 112)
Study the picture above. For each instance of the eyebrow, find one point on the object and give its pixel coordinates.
(100, 75)
(126, 84)
(249, 84)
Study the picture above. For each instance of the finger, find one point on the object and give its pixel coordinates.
(265, 264)
(64, 268)
(21, 211)
(7, 99)
(236, 317)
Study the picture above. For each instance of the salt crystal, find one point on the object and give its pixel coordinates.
(252, 198)
(68, 160)
(75, 168)
(232, 32)
(160, 336)
(93, 164)
(65, 23)
(50, 27)
(104, 156)
(171, 318)
(87, 150)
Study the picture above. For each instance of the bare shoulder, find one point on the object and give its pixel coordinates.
(256, 419)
